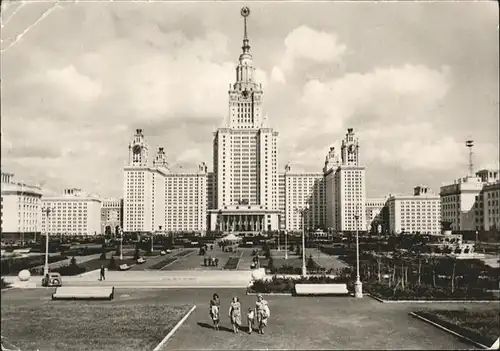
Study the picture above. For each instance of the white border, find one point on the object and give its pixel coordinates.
(178, 325)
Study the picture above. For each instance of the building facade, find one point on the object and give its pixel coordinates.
(458, 203)
(245, 157)
(73, 213)
(489, 217)
(20, 209)
(345, 190)
(375, 215)
(156, 199)
(304, 196)
(111, 216)
(418, 213)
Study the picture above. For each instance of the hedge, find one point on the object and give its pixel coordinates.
(426, 292)
(14, 266)
(232, 263)
(287, 285)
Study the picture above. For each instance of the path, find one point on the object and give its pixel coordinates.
(314, 323)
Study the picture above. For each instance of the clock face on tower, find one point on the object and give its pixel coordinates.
(351, 148)
(245, 94)
(136, 149)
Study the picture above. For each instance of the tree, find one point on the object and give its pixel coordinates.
(310, 263)
(112, 263)
(297, 250)
(136, 254)
(291, 247)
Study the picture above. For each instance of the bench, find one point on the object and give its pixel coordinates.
(84, 293)
(321, 289)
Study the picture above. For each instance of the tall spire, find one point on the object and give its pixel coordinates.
(245, 12)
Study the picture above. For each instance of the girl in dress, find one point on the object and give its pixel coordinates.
(263, 313)
(214, 311)
(235, 314)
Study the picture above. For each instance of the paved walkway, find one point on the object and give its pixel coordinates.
(313, 323)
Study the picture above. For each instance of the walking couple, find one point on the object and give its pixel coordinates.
(260, 314)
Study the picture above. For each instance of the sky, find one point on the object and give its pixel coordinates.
(414, 79)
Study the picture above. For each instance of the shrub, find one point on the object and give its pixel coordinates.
(69, 270)
(297, 250)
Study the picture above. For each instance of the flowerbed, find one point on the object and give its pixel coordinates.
(163, 263)
(479, 326)
(426, 292)
(232, 263)
(287, 285)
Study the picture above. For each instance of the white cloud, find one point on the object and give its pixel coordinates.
(304, 43)
(190, 156)
(73, 84)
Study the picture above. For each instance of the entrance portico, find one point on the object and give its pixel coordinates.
(243, 218)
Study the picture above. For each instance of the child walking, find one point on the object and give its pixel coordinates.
(250, 319)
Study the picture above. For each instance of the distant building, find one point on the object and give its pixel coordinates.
(490, 216)
(20, 209)
(111, 216)
(73, 213)
(156, 199)
(345, 189)
(374, 215)
(301, 190)
(417, 213)
(463, 202)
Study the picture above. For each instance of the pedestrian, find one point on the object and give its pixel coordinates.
(263, 313)
(250, 319)
(214, 311)
(103, 271)
(235, 314)
(213, 261)
(216, 262)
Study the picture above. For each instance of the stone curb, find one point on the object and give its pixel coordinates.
(415, 315)
(7, 289)
(174, 329)
(431, 301)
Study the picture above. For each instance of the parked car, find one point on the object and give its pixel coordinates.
(52, 279)
(141, 260)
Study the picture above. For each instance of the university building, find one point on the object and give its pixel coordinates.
(73, 213)
(245, 192)
(345, 187)
(417, 213)
(20, 209)
(111, 216)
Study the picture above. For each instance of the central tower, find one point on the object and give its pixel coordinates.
(245, 181)
(245, 95)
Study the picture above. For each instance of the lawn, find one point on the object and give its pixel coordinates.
(63, 325)
(480, 326)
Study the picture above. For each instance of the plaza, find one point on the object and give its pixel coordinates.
(296, 322)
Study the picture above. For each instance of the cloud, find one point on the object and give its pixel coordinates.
(304, 43)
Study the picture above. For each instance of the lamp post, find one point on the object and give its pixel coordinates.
(121, 243)
(286, 245)
(303, 213)
(47, 211)
(279, 246)
(358, 286)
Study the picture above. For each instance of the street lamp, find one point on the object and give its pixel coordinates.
(358, 286)
(47, 211)
(303, 213)
(121, 243)
(286, 245)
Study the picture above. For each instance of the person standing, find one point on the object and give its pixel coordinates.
(235, 314)
(263, 313)
(214, 311)
(103, 271)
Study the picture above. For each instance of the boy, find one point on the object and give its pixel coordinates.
(250, 319)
